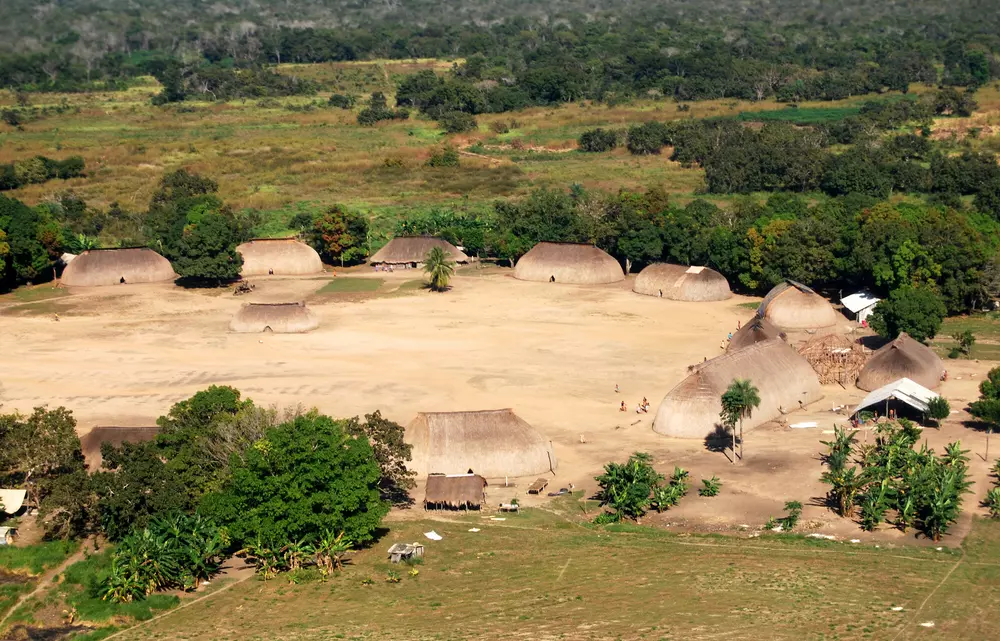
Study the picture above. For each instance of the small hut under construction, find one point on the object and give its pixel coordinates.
(784, 380)
(455, 491)
(902, 358)
(493, 443)
(793, 306)
(90, 443)
(756, 330)
(97, 267)
(281, 318)
(835, 358)
(411, 251)
(571, 263)
(278, 257)
(680, 282)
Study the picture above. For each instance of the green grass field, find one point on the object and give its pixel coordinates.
(985, 327)
(347, 285)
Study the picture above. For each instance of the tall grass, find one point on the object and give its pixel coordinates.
(36, 558)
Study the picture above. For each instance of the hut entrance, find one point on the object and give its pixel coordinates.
(121, 281)
(267, 328)
(552, 278)
(661, 293)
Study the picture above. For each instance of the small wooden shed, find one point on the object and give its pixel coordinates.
(455, 491)
(403, 551)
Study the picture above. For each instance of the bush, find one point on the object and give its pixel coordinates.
(598, 140)
(499, 127)
(711, 487)
(371, 116)
(647, 138)
(31, 171)
(447, 157)
(341, 101)
(938, 408)
(457, 122)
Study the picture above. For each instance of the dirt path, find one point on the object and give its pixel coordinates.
(45, 579)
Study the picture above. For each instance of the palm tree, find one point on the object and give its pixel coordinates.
(738, 402)
(439, 268)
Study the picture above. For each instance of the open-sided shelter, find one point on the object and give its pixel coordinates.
(793, 306)
(902, 358)
(755, 330)
(281, 318)
(901, 397)
(680, 282)
(455, 491)
(90, 443)
(784, 380)
(96, 267)
(493, 443)
(571, 263)
(278, 257)
(412, 250)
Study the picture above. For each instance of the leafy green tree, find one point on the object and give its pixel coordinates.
(340, 235)
(392, 452)
(938, 408)
(917, 311)
(987, 408)
(739, 401)
(598, 140)
(647, 138)
(627, 488)
(37, 449)
(439, 268)
(206, 250)
(457, 122)
(965, 341)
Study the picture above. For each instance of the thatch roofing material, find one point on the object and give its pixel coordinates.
(413, 249)
(281, 318)
(90, 443)
(96, 267)
(902, 358)
(568, 263)
(784, 379)
(455, 491)
(755, 330)
(278, 256)
(494, 443)
(680, 282)
(792, 306)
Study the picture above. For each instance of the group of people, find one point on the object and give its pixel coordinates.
(641, 408)
(724, 344)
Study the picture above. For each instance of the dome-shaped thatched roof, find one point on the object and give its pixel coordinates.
(278, 256)
(755, 330)
(96, 267)
(281, 318)
(784, 380)
(680, 282)
(792, 306)
(568, 263)
(413, 249)
(492, 443)
(902, 358)
(90, 443)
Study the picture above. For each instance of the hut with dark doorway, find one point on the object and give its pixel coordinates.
(835, 358)
(410, 252)
(280, 318)
(756, 330)
(680, 282)
(902, 358)
(568, 263)
(133, 265)
(455, 492)
(278, 257)
(90, 443)
(794, 306)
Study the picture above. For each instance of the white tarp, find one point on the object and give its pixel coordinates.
(913, 394)
(12, 500)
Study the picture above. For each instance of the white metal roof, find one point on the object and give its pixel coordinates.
(12, 500)
(857, 302)
(913, 394)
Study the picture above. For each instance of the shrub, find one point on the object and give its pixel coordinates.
(499, 127)
(446, 157)
(710, 487)
(598, 140)
(31, 171)
(992, 502)
(341, 101)
(647, 138)
(938, 408)
(457, 122)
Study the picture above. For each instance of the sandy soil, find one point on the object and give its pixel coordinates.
(123, 355)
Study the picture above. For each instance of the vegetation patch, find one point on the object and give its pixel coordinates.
(348, 285)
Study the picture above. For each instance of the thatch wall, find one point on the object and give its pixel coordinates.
(281, 318)
(902, 358)
(413, 250)
(680, 282)
(461, 491)
(793, 306)
(784, 380)
(280, 257)
(97, 267)
(755, 330)
(90, 443)
(493, 443)
(568, 263)
(835, 358)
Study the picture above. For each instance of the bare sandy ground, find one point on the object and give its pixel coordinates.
(554, 353)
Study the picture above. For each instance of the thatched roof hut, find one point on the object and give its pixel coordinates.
(278, 257)
(281, 318)
(494, 443)
(902, 358)
(755, 330)
(835, 358)
(680, 282)
(90, 443)
(411, 250)
(784, 380)
(455, 491)
(792, 306)
(96, 267)
(568, 263)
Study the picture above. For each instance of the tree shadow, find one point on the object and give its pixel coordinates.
(719, 439)
(188, 282)
(873, 342)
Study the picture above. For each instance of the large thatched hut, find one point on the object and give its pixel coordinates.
(278, 257)
(784, 380)
(281, 318)
(902, 358)
(96, 267)
(493, 443)
(90, 443)
(412, 250)
(680, 282)
(755, 330)
(793, 306)
(568, 263)
(455, 491)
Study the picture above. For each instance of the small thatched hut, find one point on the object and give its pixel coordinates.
(793, 306)
(90, 443)
(411, 251)
(494, 443)
(784, 380)
(278, 257)
(281, 318)
(902, 358)
(835, 358)
(680, 282)
(96, 267)
(455, 491)
(755, 330)
(568, 263)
